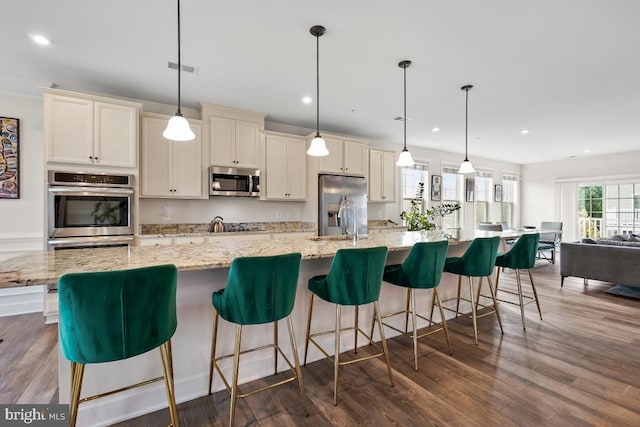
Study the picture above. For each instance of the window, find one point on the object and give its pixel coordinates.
(483, 195)
(622, 208)
(509, 199)
(411, 177)
(451, 193)
(590, 211)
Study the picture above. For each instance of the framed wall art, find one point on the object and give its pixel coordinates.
(436, 188)
(497, 193)
(469, 187)
(9, 158)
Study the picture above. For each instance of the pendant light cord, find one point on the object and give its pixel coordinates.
(317, 86)
(405, 109)
(179, 113)
(466, 124)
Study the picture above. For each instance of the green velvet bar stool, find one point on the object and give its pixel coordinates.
(477, 261)
(354, 279)
(259, 290)
(522, 256)
(422, 269)
(114, 315)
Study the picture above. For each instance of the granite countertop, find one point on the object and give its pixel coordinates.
(42, 267)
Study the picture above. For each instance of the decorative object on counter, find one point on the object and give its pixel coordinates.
(466, 166)
(497, 193)
(436, 188)
(318, 148)
(418, 218)
(405, 159)
(178, 128)
(217, 226)
(9, 158)
(469, 186)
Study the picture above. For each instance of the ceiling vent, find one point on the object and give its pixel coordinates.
(185, 68)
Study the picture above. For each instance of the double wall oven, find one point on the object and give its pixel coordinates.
(87, 210)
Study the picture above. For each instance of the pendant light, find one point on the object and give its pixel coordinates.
(405, 159)
(318, 148)
(466, 166)
(178, 128)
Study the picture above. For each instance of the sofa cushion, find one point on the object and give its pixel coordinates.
(618, 243)
(589, 241)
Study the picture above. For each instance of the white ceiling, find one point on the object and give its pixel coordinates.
(568, 70)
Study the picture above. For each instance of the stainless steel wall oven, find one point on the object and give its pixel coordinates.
(89, 209)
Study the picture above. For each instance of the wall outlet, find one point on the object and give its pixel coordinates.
(379, 214)
(289, 214)
(278, 214)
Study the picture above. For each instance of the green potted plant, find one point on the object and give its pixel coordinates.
(418, 219)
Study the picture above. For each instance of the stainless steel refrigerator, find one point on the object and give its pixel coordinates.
(342, 205)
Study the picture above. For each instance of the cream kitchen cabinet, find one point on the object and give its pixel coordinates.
(345, 157)
(234, 143)
(170, 168)
(285, 168)
(87, 130)
(382, 176)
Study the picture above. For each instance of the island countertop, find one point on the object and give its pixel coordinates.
(44, 267)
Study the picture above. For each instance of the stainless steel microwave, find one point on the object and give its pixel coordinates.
(225, 181)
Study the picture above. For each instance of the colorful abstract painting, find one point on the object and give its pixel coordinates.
(9, 160)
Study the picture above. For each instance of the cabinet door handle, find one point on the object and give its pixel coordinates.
(90, 157)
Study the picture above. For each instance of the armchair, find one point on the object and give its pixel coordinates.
(549, 241)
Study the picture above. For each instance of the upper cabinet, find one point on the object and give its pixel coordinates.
(235, 136)
(345, 157)
(90, 130)
(170, 168)
(234, 143)
(285, 168)
(382, 176)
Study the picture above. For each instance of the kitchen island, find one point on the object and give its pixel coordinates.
(203, 268)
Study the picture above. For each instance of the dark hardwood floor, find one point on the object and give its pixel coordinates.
(578, 366)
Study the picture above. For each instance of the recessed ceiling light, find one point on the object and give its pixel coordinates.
(435, 129)
(306, 100)
(587, 150)
(40, 39)
(524, 131)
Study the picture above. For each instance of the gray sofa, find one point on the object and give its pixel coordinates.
(610, 260)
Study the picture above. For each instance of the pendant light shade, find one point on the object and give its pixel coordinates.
(466, 166)
(178, 128)
(405, 159)
(317, 148)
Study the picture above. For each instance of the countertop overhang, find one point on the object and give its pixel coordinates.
(45, 267)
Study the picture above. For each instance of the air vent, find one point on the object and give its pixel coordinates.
(185, 68)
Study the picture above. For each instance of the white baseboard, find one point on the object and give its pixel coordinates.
(21, 300)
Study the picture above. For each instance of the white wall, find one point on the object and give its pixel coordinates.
(543, 183)
(22, 220)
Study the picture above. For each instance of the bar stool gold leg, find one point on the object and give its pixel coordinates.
(355, 329)
(214, 341)
(236, 364)
(77, 372)
(436, 297)
(167, 365)
(306, 344)
(478, 295)
(296, 360)
(414, 325)
(519, 283)
(433, 302)
(384, 341)
(497, 280)
(275, 348)
(495, 303)
(406, 312)
(473, 311)
(535, 294)
(336, 357)
(458, 299)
